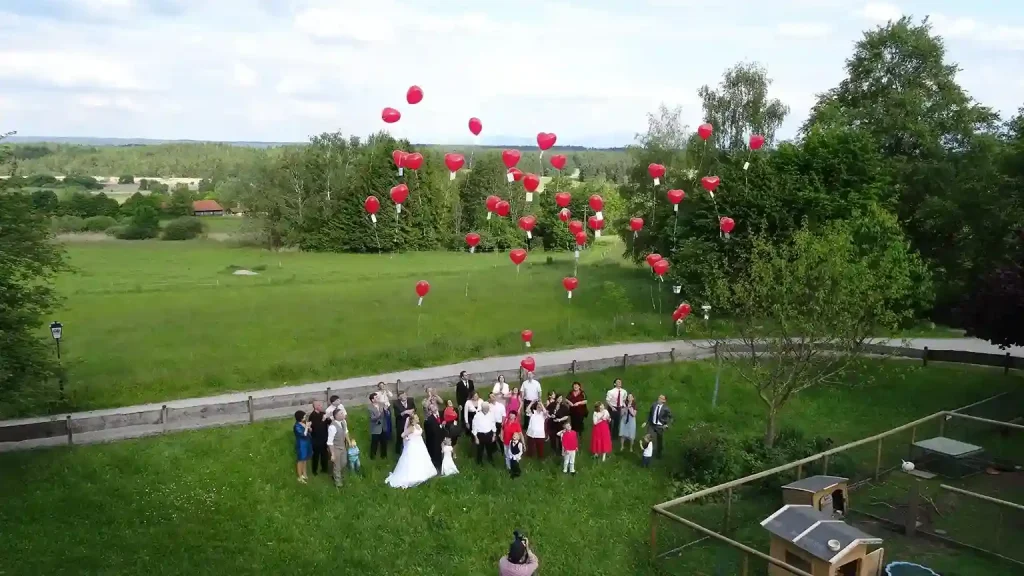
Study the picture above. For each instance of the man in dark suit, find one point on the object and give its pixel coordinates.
(464, 389)
(658, 420)
(433, 435)
(404, 408)
(318, 434)
(378, 428)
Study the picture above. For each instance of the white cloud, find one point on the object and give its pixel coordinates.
(67, 69)
(1008, 37)
(803, 29)
(948, 27)
(244, 76)
(880, 12)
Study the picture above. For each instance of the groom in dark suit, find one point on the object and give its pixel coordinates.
(433, 435)
(404, 408)
(659, 419)
(464, 389)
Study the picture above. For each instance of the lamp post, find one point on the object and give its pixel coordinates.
(56, 330)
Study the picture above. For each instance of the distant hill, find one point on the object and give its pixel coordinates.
(602, 142)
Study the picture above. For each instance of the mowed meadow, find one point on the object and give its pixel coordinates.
(152, 321)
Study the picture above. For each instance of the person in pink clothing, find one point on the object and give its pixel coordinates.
(601, 437)
(514, 402)
(520, 560)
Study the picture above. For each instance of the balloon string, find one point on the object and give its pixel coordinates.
(375, 235)
(659, 302)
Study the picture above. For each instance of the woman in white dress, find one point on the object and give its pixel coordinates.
(501, 391)
(448, 464)
(414, 466)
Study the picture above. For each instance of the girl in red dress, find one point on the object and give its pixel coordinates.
(601, 436)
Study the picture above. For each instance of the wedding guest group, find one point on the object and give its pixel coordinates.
(518, 421)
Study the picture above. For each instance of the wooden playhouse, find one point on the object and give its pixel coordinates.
(828, 494)
(817, 543)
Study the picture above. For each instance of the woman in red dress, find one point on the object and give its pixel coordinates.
(577, 407)
(601, 436)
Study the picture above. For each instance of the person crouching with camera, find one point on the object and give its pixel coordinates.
(520, 561)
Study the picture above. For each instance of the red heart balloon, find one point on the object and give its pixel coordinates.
(676, 196)
(371, 204)
(581, 238)
(510, 157)
(492, 203)
(526, 335)
(546, 140)
(596, 203)
(594, 223)
(517, 255)
(756, 141)
(564, 214)
(704, 131)
(454, 161)
(727, 224)
(656, 170)
(476, 126)
(636, 224)
(516, 173)
(399, 157)
(531, 182)
(390, 115)
(677, 316)
(563, 199)
(558, 161)
(414, 95)
(526, 223)
(422, 287)
(661, 267)
(652, 259)
(528, 364)
(570, 283)
(399, 194)
(575, 226)
(502, 208)
(685, 309)
(710, 183)
(472, 239)
(413, 161)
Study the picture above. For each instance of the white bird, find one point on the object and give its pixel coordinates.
(907, 466)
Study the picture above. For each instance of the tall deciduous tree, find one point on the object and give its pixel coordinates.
(740, 106)
(28, 262)
(994, 310)
(804, 309)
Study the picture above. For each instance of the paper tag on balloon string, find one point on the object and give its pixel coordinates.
(597, 233)
(746, 165)
(527, 344)
(541, 154)
(373, 218)
(420, 303)
(529, 235)
(570, 294)
(471, 249)
(401, 170)
(398, 208)
(657, 181)
(451, 175)
(712, 194)
(489, 215)
(599, 215)
(675, 207)
(510, 177)
(577, 254)
(529, 196)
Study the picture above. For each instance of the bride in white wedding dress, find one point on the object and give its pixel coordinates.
(414, 466)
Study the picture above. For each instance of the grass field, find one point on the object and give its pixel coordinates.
(149, 321)
(225, 500)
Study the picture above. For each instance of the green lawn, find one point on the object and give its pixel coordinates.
(152, 321)
(225, 500)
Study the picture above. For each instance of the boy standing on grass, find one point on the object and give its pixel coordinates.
(353, 455)
(647, 445)
(570, 443)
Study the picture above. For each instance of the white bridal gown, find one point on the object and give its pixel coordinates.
(414, 466)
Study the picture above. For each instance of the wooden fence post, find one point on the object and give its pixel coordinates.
(67, 423)
(824, 466)
(878, 458)
(924, 357)
(654, 534)
(252, 415)
(728, 509)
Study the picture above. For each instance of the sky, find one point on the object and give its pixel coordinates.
(589, 71)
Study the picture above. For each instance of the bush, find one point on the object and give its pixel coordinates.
(184, 228)
(133, 232)
(99, 223)
(67, 224)
(126, 179)
(117, 231)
